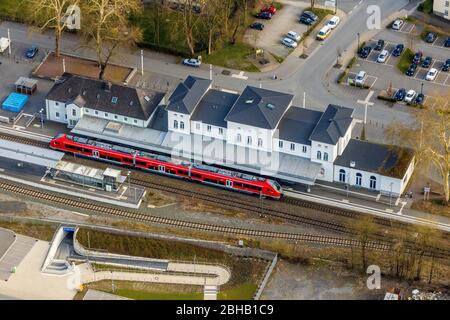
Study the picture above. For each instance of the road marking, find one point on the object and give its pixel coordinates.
(239, 76)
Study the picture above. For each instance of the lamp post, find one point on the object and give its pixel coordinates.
(41, 112)
(357, 49)
(421, 88)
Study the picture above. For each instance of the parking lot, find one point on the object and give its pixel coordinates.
(14, 255)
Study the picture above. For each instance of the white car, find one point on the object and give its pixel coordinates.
(431, 75)
(397, 25)
(293, 36)
(289, 43)
(360, 78)
(410, 95)
(382, 57)
(333, 22)
(192, 62)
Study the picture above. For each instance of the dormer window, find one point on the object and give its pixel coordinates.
(249, 101)
(84, 92)
(114, 100)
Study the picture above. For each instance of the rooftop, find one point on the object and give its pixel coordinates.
(105, 96)
(297, 125)
(392, 161)
(188, 94)
(333, 124)
(260, 108)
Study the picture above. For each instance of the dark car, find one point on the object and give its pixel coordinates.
(417, 57)
(257, 26)
(306, 20)
(411, 70)
(430, 37)
(446, 65)
(400, 94)
(427, 62)
(264, 15)
(447, 42)
(31, 52)
(379, 46)
(398, 50)
(310, 14)
(420, 98)
(364, 52)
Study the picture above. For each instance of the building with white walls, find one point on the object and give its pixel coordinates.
(442, 8)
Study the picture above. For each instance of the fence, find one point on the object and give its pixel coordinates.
(263, 283)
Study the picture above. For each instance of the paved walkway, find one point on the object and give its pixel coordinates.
(14, 255)
(92, 294)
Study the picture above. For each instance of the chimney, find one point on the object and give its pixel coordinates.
(352, 164)
(107, 86)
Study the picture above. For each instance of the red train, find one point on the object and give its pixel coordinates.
(165, 165)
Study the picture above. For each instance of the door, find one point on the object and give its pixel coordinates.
(229, 184)
(161, 168)
(95, 154)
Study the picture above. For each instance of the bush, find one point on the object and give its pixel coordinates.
(426, 6)
(405, 60)
(385, 98)
(341, 77)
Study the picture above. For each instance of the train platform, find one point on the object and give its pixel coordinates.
(209, 150)
(29, 154)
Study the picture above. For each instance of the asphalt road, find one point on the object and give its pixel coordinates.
(295, 75)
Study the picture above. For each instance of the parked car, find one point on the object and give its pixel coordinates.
(257, 26)
(398, 50)
(410, 95)
(446, 65)
(420, 98)
(400, 94)
(323, 33)
(360, 78)
(310, 15)
(382, 57)
(430, 37)
(4, 44)
(293, 35)
(264, 15)
(447, 42)
(418, 57)
(289, 43)
(411, 70)
(431, 75)
(306, 20)
(271, 9)
(426, 63)
(380, 45)
(31, 52)
(364, 52)
(398, 24)
(333, 22)
(192, 62)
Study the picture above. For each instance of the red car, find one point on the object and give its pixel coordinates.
(271, 9)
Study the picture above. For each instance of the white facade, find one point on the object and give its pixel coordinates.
(208, 130)
(249, 136)
(179, 122)
(442, 8)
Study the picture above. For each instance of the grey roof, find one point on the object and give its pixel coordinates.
(214, 107)
(333, 124)
(98, 95)
(260, 108)
(297, 125)
(188, 94)
(392, 161)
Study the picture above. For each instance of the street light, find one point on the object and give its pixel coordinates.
(357, 49)
(421, 88)
(41, 112)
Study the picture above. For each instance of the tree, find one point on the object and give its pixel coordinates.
(50, 14)
(189, 20)
(212, 20)
(429, 135)
(313, 3)
(106, 25)
(365, 229)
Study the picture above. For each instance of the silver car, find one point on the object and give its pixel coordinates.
(289, 43)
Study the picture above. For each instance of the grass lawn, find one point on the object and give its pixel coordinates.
(405, 60)
(12, 9)
(245, 291)
(426, 6)
(232, 56)
(35, 230)
(143, 295)
(434, 207)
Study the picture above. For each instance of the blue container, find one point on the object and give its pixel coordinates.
(15, 102)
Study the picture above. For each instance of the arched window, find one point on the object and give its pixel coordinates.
(181, 125)
(325, 156)
(341, 175)
(319, 155)
(358, 181)
(175, 124)
(239, 138)
(260, 142)
(373, 182)
(249, 140)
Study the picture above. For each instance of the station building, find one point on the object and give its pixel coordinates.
(248, 130)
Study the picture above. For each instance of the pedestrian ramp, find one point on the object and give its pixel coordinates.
(210, 292)
(14, 256)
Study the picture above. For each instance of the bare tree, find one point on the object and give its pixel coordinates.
(429, 135)
(50, 14)
(212, 20)
(365, 229)
(106, 25)
(189, 22)
(313, 3)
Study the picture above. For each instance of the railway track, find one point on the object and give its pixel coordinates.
(137, 216)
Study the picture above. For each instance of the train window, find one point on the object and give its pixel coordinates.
(183, 172)
(127, 160)
(152, 167)
(212, 181)
(141, 163)
(196, 175)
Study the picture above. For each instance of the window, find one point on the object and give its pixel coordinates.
(106, 114)
(135, 121)
(280, 144)
(220, 130)
(208, 128)
(260, 142)
(86, 110)
(116, 117)
(341, 175)
(96, 112)
(373, 182)
(325, 156)
(114, 100)
(175, 124)
(181, 125)
(57, 103)
(57, 114)
(249, 140)
(74, 112)
(358, 181)
(319, 155)
(304, 149)
(238, 138)
(125, 119)
(292, 146)
(197, 126)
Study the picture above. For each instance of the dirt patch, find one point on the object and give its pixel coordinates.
(52, 67)
(12, 207)
(155, 199)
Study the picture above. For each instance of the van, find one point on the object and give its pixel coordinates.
(323, 33)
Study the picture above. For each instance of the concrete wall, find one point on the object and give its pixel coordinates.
(56, 241)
